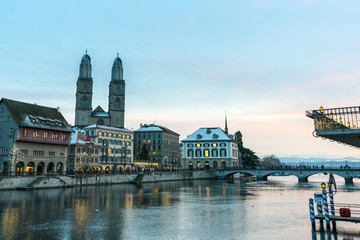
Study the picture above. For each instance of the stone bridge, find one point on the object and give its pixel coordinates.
(301, 174)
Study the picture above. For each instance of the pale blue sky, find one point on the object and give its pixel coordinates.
(187, 62)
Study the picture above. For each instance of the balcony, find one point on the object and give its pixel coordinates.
(337, 124)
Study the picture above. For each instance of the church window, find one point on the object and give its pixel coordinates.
(84, 102)
(117, 91)
(117, 103)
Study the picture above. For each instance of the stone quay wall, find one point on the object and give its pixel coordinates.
(42, 182)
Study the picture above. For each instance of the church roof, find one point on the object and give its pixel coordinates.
(99, 112)
(36, 116)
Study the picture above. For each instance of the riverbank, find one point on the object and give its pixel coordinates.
(43, 182)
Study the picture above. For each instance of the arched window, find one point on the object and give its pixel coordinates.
(84, 102)
(100, 122)
(117, 103)
(117, 91)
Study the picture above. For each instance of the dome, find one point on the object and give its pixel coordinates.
(85, 66)
(86, 59)
(117, 69)
(117, 61)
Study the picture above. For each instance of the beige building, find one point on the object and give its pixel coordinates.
(84, 154)
(116, 147)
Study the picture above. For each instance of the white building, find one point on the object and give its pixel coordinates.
(210, 148)
(117, 148)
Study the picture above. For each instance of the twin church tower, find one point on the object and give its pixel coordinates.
(84, 115)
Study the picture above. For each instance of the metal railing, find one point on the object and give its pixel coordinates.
(335, 118)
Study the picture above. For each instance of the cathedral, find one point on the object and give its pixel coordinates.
(84, 115)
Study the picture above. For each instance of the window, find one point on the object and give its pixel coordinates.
(62, 154)
(100, 134)
(25, 152)
(214, 153)
(38, 153)
(198, 153)
(46, 135)
(78, 150)
(190, 153)
(190, 145)
(154, 153)
(206, 153)
(35, 133)
(51, 154)
(222, 144)
(214, 144)
(1, 118)
(198, 145)
(84, 102)
(206, 145)
(54, 136)
(117, 103)
(222, 152)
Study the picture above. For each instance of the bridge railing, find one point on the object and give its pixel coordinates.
(354, 209)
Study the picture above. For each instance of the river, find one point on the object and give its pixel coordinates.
(203, 209)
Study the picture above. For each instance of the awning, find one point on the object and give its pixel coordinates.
(139, 165)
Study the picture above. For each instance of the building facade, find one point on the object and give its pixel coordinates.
(84, 154)
(33, 138)
(162, 144)
(210, 148)
(84, 113)
(116, 147)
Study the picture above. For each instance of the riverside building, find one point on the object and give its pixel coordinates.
(84, 154)
(210, 148)
(162, 144)
(116, 147)
(33, 138)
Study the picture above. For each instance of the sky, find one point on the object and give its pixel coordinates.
(186, 63)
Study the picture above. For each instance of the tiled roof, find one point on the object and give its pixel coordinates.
(36, 116)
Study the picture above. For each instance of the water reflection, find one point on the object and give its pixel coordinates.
(183, 210)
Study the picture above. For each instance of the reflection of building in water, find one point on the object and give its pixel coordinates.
(210, 148)
(33, 138)
(10, 222)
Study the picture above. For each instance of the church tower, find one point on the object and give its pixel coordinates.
(117, 94)
(84, 93)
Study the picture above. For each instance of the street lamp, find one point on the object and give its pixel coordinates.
(323, 186)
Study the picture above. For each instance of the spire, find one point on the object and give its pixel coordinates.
(226, 127)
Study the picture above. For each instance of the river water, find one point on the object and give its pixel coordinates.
(203, 209)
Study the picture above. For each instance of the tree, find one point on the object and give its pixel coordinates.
(249, 158)
(270, 161)
(144, 152)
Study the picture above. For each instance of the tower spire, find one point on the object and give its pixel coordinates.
(226, 127)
